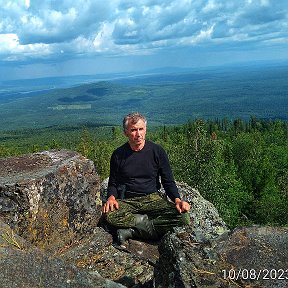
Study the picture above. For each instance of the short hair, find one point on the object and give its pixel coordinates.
(135, 117)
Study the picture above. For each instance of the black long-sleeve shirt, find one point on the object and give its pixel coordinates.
(141, 171)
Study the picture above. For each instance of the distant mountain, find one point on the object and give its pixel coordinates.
(166, 98)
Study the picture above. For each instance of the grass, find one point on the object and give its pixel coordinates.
(10, 239)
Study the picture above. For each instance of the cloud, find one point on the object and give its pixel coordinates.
(42, 28)
(62, 23)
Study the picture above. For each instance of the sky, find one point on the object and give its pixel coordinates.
(43, 38)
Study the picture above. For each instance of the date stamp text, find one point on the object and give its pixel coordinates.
(255, 274)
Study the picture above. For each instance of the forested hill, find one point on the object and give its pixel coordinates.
(171, 98)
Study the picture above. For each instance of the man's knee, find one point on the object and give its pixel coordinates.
(185, 219)
(110, 217)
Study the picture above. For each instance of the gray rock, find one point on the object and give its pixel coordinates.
(131, 267)
(50, 198)
(206, 222)
(8, 239)
(22, 266)
(256, 252)
(246, 257)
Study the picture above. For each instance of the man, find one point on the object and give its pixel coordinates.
(135, 172)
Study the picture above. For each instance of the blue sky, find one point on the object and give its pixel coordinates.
(40, 38)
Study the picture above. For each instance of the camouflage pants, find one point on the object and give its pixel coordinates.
(162, 212)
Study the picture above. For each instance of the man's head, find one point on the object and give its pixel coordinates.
(134, 126)
(133, 118)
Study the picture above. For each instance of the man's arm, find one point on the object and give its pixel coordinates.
(165, 172)
(169, 184)
(112, 183)
(111, 202)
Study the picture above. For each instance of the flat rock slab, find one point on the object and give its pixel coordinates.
(35, 269)
(12, 166)
(144, 250)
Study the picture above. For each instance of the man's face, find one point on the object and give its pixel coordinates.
(136, 133)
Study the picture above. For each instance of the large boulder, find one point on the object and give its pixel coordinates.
(50, 198)
(206, 223)
(246, 257)
(97, 254)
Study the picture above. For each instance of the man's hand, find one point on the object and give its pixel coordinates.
(110, 205)
(182, 206)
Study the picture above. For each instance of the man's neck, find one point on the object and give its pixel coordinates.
(137, 147)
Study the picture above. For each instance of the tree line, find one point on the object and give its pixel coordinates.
(240, 166)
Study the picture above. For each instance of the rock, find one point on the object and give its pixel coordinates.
(83, 253)
(206, 222)
(256, 252)
(22, 266)
(50, 198)
(144, 250)
(234, 259)
(129, 266)
(9, 239)
(50, 205)
(78, 263)
(124, 267)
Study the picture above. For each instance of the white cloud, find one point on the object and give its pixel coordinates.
(12, 50)
(27, 3)
(212, 5)
(126, 26)
(9, 42)
(103, 39)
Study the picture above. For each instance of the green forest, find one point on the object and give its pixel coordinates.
(240, 166)
(208, 94)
